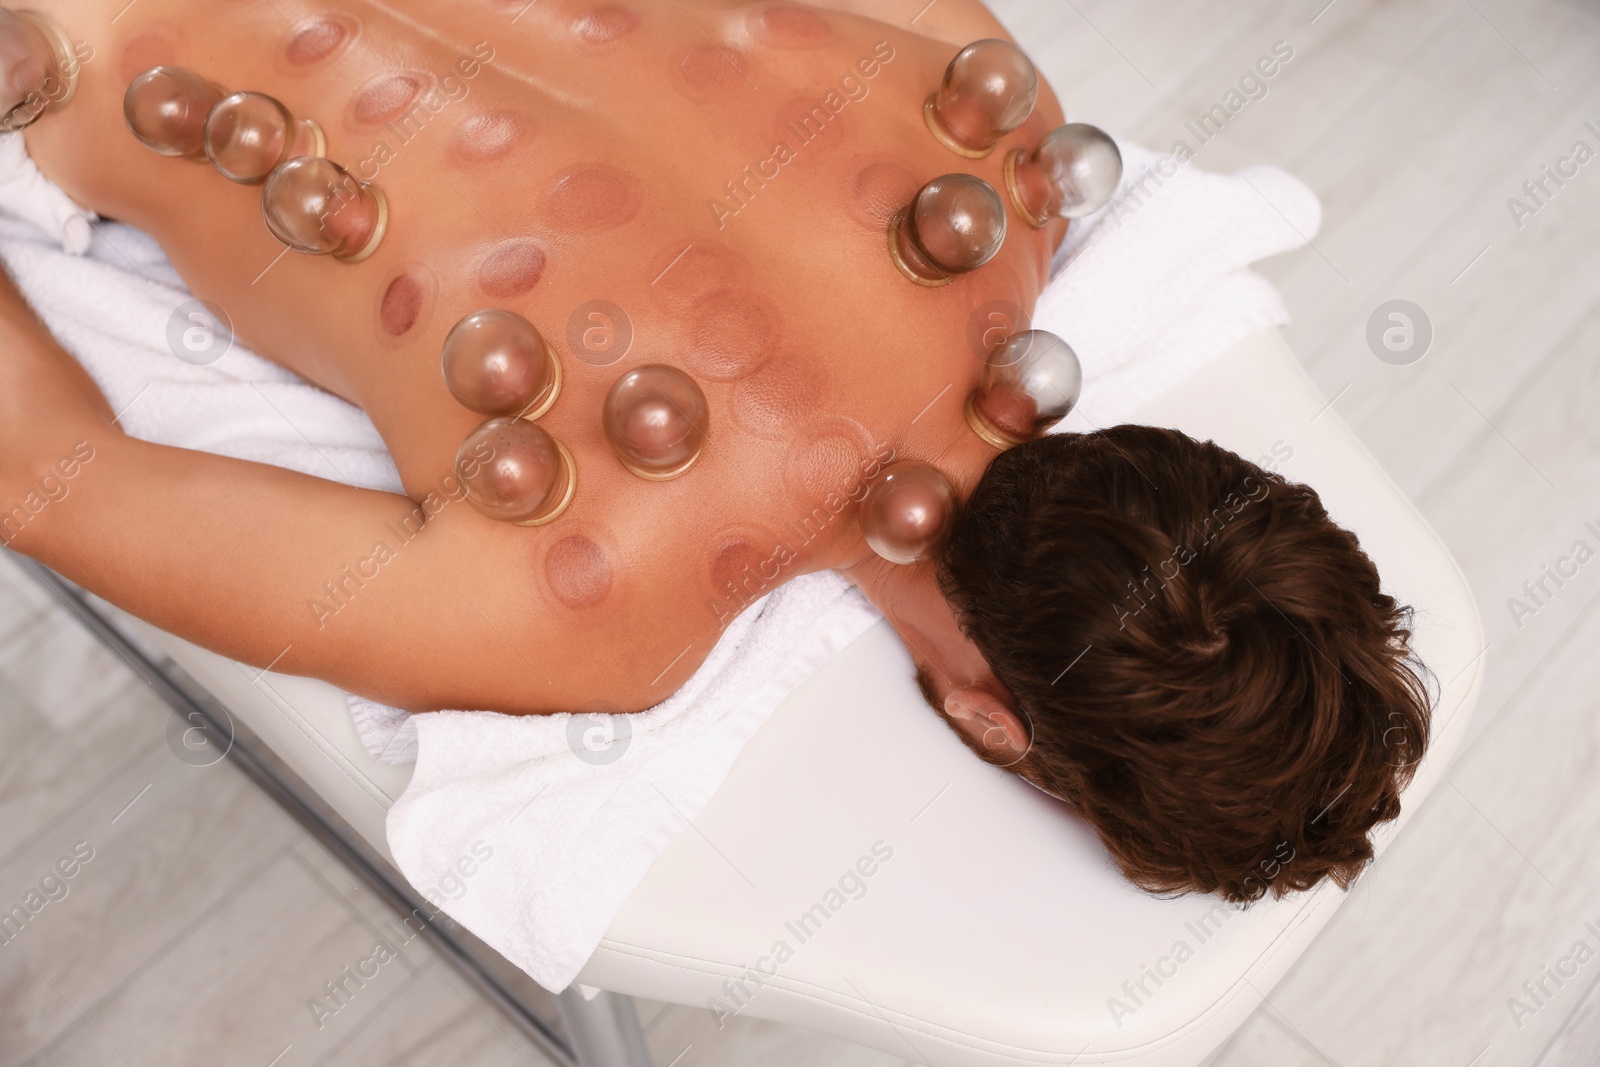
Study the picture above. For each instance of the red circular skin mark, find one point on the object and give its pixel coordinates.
(824, 467)
(154, 45)
(606, 25)
(733, 331)
(511, 268)
(709, 69)
(488, 137)
(878, 190)
(736, 571)
(780, 393)
(786, 26)
(578, 572)
(593, 197)
(687, 268)
(401, 305)
(315, 41)
(385, 97)
(810, 128)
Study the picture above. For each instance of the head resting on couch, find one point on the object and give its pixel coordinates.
(1200, 661)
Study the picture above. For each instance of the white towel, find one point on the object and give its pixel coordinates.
(525, 829)
(1155, 283)
(28, 196)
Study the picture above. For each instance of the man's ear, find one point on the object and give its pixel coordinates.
(989, 724)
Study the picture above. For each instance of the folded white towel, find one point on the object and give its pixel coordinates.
(1156, 282)
(575, 807)
(27, 195)
(532, 831)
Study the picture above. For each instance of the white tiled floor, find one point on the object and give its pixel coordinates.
(205, 922)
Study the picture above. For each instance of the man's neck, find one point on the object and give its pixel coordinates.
(908, 595)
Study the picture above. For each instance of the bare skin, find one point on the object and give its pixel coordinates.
(580, 164)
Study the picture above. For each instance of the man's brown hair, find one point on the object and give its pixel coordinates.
(1210, 672)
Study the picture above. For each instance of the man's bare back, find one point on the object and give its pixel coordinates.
(705, 185)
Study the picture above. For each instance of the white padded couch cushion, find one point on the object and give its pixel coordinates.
(995, 931)
(998, 933)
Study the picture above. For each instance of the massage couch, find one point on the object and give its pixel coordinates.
(997, 933)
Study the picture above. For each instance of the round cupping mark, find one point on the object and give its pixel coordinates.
(487, 137)
(152, 46)
(511, 268)
(316, 41)
(707, 68)
(401, 305)
(578, 572)
(685, 269)
(736, 568)
(788, 26)
(606, 25)
(825, 466)
(596, 196)
(781, 393)
(810, 128)
(733, 331)
(386, 97)
(878, 190)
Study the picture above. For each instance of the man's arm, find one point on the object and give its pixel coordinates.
(267, 565)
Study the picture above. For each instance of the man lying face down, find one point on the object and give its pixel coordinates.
(1187, 650)
(701, 272)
